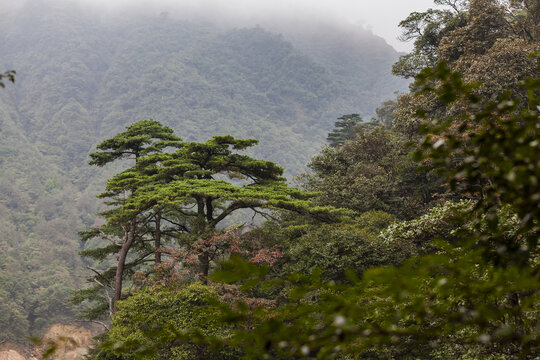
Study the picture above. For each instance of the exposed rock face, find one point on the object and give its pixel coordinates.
(72, 342)
(11, 355)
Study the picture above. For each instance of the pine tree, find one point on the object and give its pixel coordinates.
(185, 194)
(204, 183)
(343, 130)
(140, 139)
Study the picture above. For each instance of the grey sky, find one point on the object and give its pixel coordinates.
(381, 16)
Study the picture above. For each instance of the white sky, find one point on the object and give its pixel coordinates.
(381, 16)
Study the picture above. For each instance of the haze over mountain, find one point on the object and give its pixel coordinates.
(382, 17)
(83, 76)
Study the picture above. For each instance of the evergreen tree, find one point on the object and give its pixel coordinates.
(191, 183)
(141, 138)
(182, 193)
(343, 130)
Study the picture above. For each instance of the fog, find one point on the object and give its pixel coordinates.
(381, 17)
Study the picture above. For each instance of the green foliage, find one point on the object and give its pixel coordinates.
(343, 129)
(152, 320)
(440, 222)
(36, 256)
(192, 177)
(499, 157)
(143, 138)
(476, 297)
(373, 171)
(414, 311)
(335, 249)
(138, 140)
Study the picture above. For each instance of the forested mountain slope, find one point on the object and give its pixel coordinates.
(82, 77)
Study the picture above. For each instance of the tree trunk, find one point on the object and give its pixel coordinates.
(157, 239)
(204, 267)
(130, 236)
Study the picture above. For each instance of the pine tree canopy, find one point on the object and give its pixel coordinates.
(141, 138)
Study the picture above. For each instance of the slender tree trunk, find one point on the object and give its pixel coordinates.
(209, 210)
(204, 262)
(204, 258)
(157, 238)
(130, 236)
(204, 267)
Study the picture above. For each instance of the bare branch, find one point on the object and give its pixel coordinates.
(107, 328)
(263, 214)
(183, 227)
(98, 274)
(106, 237)
(109, 299)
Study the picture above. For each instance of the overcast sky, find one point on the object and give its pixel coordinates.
(381, 16)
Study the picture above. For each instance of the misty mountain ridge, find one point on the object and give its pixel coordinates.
(82, 77)
(104, 58)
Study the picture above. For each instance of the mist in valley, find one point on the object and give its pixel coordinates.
(311, 81)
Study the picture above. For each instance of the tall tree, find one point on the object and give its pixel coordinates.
(140, 139)
(191, 182)
(344, 129)
(189, 191)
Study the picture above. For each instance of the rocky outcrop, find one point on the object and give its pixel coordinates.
(71, 343)
(13, 355)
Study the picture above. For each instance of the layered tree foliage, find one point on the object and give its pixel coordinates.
(183, 196)
(343, 129)
(140, 139)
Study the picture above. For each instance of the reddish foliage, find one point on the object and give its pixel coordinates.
(184, 263)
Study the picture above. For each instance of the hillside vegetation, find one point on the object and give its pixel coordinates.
(82, 77)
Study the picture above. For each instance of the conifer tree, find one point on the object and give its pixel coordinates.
(195, 183)
(186, 194)
(343, 130)
(141, 138)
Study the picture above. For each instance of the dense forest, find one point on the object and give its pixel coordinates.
(82, 76)
(412, 235)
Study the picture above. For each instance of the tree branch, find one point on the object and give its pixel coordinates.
(109, 299)
(234, 206)
(107, 328)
